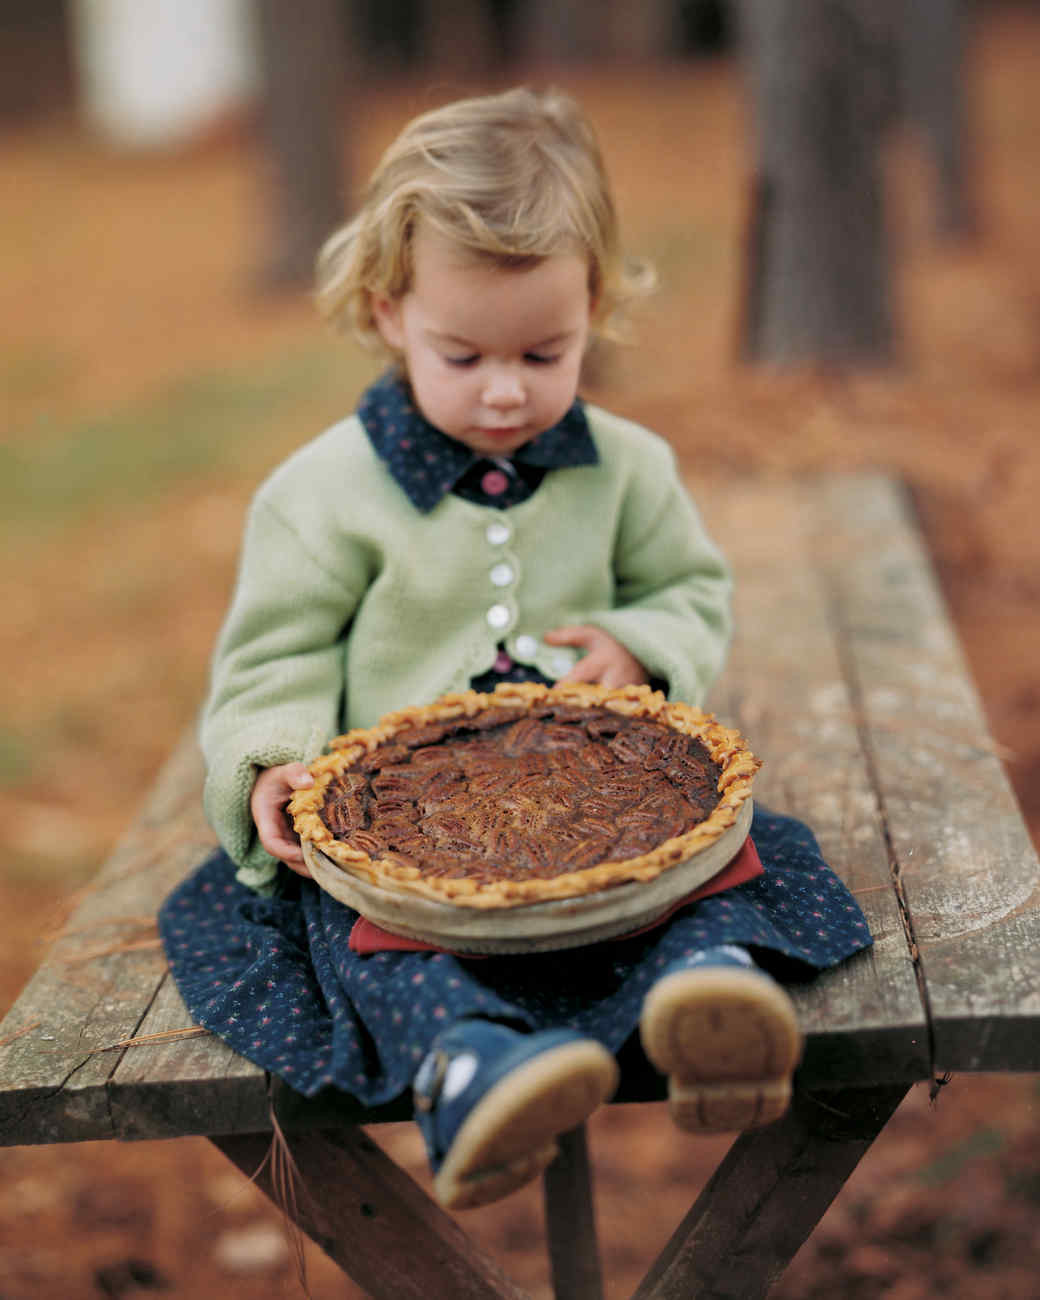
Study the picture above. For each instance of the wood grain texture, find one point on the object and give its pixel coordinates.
(187, 1086)
(88, 994)
(961, 856)
(785, 686)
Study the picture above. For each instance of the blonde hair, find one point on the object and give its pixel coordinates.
(511, 178)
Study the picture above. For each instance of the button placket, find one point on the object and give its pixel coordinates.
(503, 571)
(503, 575)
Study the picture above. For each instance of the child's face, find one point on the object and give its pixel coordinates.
(492, 355)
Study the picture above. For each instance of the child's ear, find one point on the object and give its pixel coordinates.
(387, 314)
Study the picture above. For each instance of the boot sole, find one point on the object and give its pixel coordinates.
(509, 1137)
(728, 1039)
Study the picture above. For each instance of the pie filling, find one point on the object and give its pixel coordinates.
(530, 793)
(516, 794)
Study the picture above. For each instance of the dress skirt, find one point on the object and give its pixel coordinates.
(276, 979)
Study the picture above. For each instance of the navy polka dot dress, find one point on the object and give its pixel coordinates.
(275, 977)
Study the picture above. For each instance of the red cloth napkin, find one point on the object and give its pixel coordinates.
(366, 936)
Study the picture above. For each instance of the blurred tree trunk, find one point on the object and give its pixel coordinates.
(817, 271)
(558, 30)
(933, 36)
(590, 29)
(649, 30)
(303, 52)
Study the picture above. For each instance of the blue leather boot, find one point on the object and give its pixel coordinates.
(490, 1102)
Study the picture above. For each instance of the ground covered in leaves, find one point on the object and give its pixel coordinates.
(150, 387)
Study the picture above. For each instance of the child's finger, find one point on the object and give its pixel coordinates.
(617, 675)
(287, 851)
(296, 775)
(273, 836)
(578, 635)
(272, 826)
(589, 669)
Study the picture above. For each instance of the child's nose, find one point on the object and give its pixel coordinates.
(503, 388)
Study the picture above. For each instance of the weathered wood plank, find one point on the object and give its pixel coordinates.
(785, 687)
(770, 1191)
(373, 1220)
(55, 1071)
(185, 1086)
(962, 856)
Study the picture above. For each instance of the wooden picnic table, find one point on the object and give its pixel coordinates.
(847, 677)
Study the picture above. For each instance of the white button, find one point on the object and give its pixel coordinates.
(526, 646)
(502, 575)
(498, 615)
(498, 533)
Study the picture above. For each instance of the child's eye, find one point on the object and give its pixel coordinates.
(541, 358)
(470, 360)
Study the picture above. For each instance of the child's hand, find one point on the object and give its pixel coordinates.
(273, 790)
(606, 660)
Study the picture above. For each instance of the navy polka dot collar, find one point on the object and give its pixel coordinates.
(426, 464)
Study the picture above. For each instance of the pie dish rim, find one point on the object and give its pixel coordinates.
(545, 926)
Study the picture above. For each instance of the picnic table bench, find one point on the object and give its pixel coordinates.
(847, 677)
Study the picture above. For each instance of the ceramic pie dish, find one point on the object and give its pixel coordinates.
(530, 818)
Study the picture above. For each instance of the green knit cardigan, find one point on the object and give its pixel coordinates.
(349, 602)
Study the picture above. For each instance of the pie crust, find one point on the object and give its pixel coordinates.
(531, 807)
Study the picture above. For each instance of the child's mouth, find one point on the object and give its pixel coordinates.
(502, 431)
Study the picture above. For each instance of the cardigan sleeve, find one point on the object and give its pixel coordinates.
(277, 686)
(673, 587)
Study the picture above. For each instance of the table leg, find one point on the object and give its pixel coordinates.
(767, 1195)
(371, 1218)
(570, 1225)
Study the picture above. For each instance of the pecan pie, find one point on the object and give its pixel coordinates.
(532, 795)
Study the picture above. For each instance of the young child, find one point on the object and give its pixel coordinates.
(476, 522)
